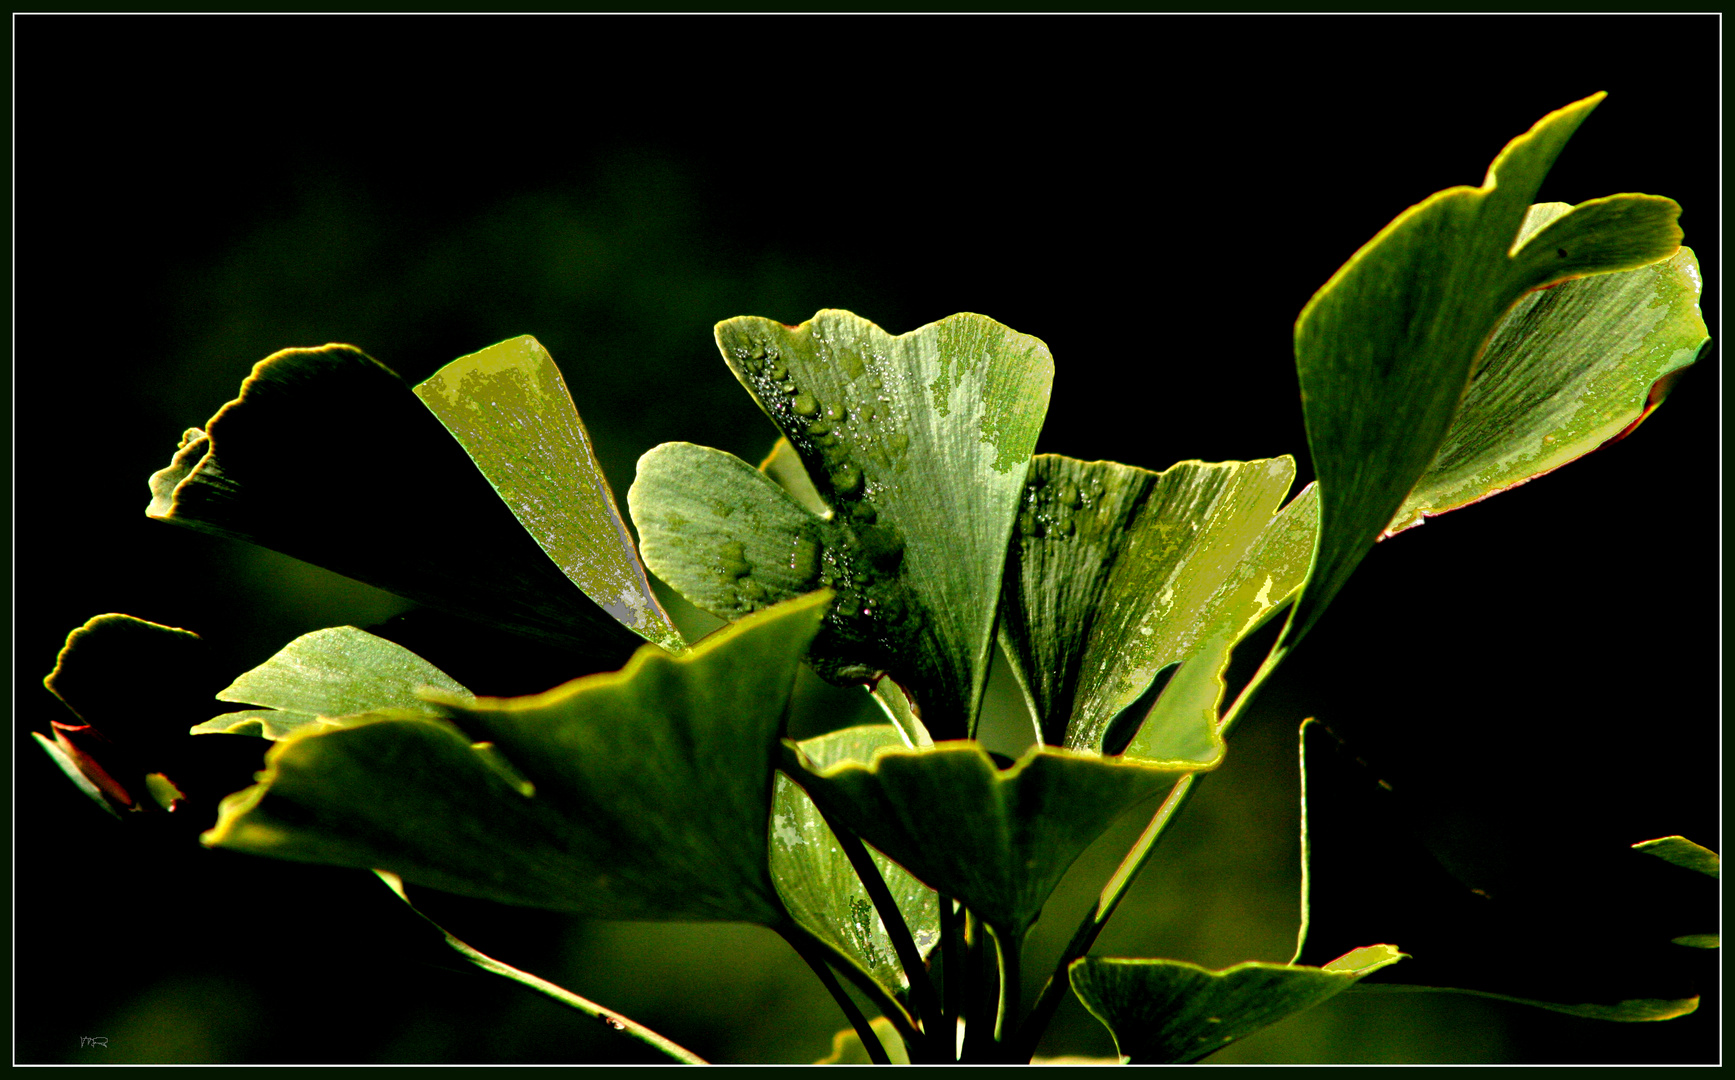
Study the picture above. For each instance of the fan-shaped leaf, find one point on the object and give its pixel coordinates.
(1592, 938)
(1386, 348)
(997, 839)
(1164, 1012)
(648, 791)
(816, 882)
(1568, 369)
(510, 409)
(919, 445)
(326, 455)
(1119, 572)
(326, 675)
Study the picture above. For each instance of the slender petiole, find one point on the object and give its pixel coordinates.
(632, 1029)
(864, 1030)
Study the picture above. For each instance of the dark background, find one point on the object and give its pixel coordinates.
(1156, 198)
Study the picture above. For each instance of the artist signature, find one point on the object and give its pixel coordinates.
(87, 1041)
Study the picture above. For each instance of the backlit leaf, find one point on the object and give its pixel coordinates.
(816, 882)
(510, 409)
(1568, 369)
(1164, 1012)
(1118, 572)
(1591, 937)
(919, 446)
(1387, 347)
(329, 674)
(327, 456)
(997, 839)
(638, 794)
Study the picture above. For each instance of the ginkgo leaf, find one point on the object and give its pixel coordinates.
(1165, 1012)
(1118, 572)
(326, 675)
(919, 445)
(1568, 369)
(1387, 347)
(997, 839)
(817, 883)
(510, 409)
(637, 794)
(327, 456)
(1365, 874)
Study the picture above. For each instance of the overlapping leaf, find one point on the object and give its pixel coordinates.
(1118, 572)
(1568, 369)
(326, 455)
(918, 444)
(997, 839)
(1387, 347)
(638, 794)
(326, 675)
(510, 409)
(1592, 939)
(817, 883)
(1164, 1012)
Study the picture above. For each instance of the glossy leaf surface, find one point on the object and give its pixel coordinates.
(1568, 369)
(1365, 874)
(1164, 1012)
(328, 674)
(391, 500)
(647, 796)
(510, 409)
(919, 446)
(816, 882)
(997, 839)
(1387, 347)
(1118, 572)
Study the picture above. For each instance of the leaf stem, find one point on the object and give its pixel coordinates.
(1010, 949)
(811, 947)
(864, 1030)
(615, 1021)
(925, 1002)
(979, 1023)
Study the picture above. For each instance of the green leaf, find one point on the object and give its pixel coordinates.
(1118, 572)
(511, 411)
(919, 445)
(997, 839)
(1682, 852)
(1568, 369)
(327, 456)
(1592, 938)
(326, 675)
(648, 794)
(816, 882)
(1387, 347)
(1164, 1012)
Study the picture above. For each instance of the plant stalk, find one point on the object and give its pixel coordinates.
(924, 1000)
(1010, 949)
(956, 978)
(811, 948)
(615, 1021)
(864, 1030)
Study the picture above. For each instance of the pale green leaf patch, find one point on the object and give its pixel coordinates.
(327, 675)
(637, 794)
(817, 883)
(510, 409)
(1164, 1012)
